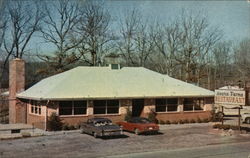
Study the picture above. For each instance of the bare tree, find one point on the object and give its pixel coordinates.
(196, 42)
(61, 20)
(3, 21)
(23, 21)
(222, 55)
(167, 42)
(94, 33)
(242, 58)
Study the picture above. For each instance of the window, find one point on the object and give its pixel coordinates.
(35, 107)
(160, 105)
(72, 107)
(166, 105)
(106, 106)
(99, 107)
(80, 107)
(193, 104)
(188, 104)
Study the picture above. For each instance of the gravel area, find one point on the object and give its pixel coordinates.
(74, 144)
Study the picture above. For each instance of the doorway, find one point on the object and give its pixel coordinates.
(137, 107)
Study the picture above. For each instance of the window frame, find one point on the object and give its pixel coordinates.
(35, 107)
(201, 102)
(166, 104)
(73, 109)
(106, 107)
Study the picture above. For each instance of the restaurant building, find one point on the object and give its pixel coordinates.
(85, 92)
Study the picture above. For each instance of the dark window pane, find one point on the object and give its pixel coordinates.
(160, 102)
(198, 104)
(173, 101)
(172, 104)
(188, 104)
(36, 110)
(160, 108)
(65, 108)
(112, 106)
(80, 107)
(160, 105)
(32, 109)
(39, 110)
(99, 107)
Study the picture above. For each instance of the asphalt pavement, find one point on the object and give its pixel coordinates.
(235, 150)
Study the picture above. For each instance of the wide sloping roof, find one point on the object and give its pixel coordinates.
(103, 82)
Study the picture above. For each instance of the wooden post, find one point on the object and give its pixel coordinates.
(239, 120)
(222, 121)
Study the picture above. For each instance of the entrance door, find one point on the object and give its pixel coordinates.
(137, 107)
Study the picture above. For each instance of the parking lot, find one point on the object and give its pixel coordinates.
(74, 144)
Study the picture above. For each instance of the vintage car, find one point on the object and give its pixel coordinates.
(246, 118)
(139, 125)
(100, 127)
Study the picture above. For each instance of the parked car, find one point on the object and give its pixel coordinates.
(139, 125)
(100, 127)
(246, 117)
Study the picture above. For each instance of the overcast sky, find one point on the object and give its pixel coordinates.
(232, 17)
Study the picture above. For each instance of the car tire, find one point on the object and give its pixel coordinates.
(248, 120)
(95, 134)
(136, 131)
(82, 131)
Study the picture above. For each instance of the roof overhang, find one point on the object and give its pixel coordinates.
(114, 97)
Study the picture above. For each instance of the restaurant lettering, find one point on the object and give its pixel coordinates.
(235, 97)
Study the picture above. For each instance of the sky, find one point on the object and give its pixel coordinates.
(232, 17)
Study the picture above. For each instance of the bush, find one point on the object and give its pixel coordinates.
(168, 122)
(206, 120)
(72, 127)
(181, 122)
(128, 115)
(161, 122)
(174, 122)
(54, 122)
(65, 127)
(192, 121)
(152, 116)
(216, 117)
(199, 120)
(225, 127)
(186, 121)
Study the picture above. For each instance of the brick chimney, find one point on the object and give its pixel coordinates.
(17, 109)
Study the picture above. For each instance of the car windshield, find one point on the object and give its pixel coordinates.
(140, 120)
(103, 123)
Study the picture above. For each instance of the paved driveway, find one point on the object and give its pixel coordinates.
(82, 145)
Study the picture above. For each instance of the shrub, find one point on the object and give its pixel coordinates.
(206, 120)
(65, 127)
(225, 127)
(192, 121)
(72, 127)
(216, 116)
(216, 125)
(174, 122)
(180, 122)
(185, 121)
(152, 116)
(161, 122)
(54, 122)
(199, 120)
(168, 122)
(128, 115)
(26, 134)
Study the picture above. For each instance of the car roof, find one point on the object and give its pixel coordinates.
(100, 119)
